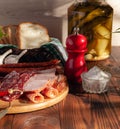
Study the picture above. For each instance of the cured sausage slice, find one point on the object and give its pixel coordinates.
(12, 85)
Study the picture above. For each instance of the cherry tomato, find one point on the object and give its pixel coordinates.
(3, 93)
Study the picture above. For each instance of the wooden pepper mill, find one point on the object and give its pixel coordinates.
(75, 64)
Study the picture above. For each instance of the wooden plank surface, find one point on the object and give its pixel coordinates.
(77, 111)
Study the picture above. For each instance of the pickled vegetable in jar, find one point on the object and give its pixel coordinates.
(94, 19)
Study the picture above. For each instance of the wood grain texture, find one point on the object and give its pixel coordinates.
(78, 111)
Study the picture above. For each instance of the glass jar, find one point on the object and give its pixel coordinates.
(94, 19)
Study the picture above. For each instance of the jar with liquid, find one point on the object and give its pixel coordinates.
(94, 19)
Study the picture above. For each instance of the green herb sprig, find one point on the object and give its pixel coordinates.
(2, 34)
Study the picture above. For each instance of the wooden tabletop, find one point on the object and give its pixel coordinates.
(77, 111)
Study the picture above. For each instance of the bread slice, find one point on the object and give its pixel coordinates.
(13, 34)
(10, 32)
(31, 35)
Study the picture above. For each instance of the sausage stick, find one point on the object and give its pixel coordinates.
(4, 71)
(34, 65)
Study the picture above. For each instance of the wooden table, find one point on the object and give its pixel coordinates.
(81, 111)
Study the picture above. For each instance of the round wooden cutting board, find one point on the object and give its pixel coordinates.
(21, 107)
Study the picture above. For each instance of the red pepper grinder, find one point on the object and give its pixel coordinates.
(75, 64)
